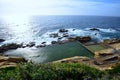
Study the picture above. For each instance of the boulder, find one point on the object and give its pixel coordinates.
(94, 29)
(63, 30)
(2, 40)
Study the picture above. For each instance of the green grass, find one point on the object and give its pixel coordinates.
(95, 47)
(58, 71)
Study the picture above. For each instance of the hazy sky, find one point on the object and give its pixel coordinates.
(60, 7)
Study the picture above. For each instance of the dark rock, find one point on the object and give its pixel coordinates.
(11, 46)
(31, 44)
(54, 42)
(2, 40)
(54, 35)
(62, 42)
(94, 29)
(65, 35)
(63, 30)
(60, 38)
(84, 39)
(40, 46)
(80, 39)
(73, 29)
(43, 42)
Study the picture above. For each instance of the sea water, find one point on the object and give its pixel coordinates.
(25, 29)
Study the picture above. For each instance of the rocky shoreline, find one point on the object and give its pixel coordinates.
(103, 59)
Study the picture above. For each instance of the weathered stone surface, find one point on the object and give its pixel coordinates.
(10, 61)
(101, 63)
(105, 52)
(112, 41)
(116, 46)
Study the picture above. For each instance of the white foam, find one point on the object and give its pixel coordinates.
(72, 32)
(27, 53)
(107, 30)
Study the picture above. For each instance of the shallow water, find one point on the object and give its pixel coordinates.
(51, 53)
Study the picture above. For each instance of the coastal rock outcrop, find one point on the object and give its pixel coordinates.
(11, 46)
(101, 64)
(31, 44)
(10, 61)
(111, 41)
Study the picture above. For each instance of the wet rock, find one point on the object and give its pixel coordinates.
(80, 39)
(63, 30)
(41, 45)
(71, 39)
(31, 44)
(11, 46)
(74, 29)
(94, 29)
(54, 35)
(83, 39)
(54, 42)
(43, 42)
(65, 35)
(2, 40)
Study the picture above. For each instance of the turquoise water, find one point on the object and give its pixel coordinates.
(52, 53)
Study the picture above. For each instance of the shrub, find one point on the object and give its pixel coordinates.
(51, 71)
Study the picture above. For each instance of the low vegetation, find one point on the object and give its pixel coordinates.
(55, 71)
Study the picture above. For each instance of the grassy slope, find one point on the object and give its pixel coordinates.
(55, 71)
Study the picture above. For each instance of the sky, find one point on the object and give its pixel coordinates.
(60, 7)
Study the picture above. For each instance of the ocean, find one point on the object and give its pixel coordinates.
(35, 28)
(25, 29)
